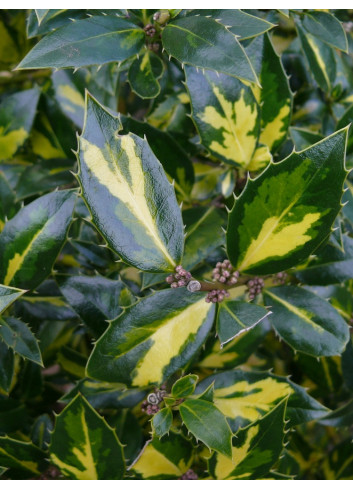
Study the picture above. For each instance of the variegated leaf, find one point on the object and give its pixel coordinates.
(152, 339)
(283, 215)
(70, 99)
(168, 458)
(207, 44)
(31, 241)
(93, 41)
(144, 73)
(17, 114)
(128, 194)
(243, 397)
(8, 295)
(274, 97)
(226, 115)
(22, 456)
(306, 322)
(84, 446)
(236, 317)
(320, 58)
(326, 27)
(255, 448)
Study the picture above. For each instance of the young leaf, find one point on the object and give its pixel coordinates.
(205, 43)
(306, 322)
(243, 397)
(327, 28)
(275, 96)
(23, 456)
(152, 339)
(207, 423)
(17, 114)
(93, 41)
(242, 24)
(144, 73)
(8, 295)
(168, 458)
(185, 386)
(283, 215)
(31, 241)
(226, 115)
(95, 299)
(162, 422)
(131, 201)
(20, 338)
(255, 448)
(83, 445)
(236, 317)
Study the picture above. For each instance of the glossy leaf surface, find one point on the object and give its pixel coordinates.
(17, 335)
(31, 241)
(307, 322)
(23, 456)
(8, 295)
(83, 446)
(255, 448)
(144, 73)
(92, 41)
(207, 423)
(237, 317)
(204, 43)
(130, 199)
(327, 28)
(296, 202)
(226, 115)
(162, 422)
(152, 339)
(184, 386)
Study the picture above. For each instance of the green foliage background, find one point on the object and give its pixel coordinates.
(176, 107)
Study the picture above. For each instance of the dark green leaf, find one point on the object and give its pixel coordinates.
(338, 463)
(92, 41)
(205, 43)
(83, 446)
(41, 430)
(285, 213)
(131, 201)
(306, 322)
(20, 338)
(341, 417)
(7, 367)
(8, 295)
(206, 422)
(162, 422)
(236, 317)
(21, 455)
(303, 138)
(152, 339)
(31, 241)
(7, 201)
(185, 386)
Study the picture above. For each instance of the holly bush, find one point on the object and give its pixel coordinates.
(176, 284)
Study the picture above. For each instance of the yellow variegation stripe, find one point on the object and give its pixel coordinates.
(84, 457)
(153, 463)
(132, 194)
(55, 301)
(72, 99)
(225, 466)
(237, 122)
(258, 397)
(44, 148)
(260, 159)
(277, 128)
(16, 262)
(11, 141)
(320, 61)
(31, 466)
(167, 342)
(278, 239)
(302, 313)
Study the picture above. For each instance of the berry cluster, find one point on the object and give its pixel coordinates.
(189, 475)
(224, 273)
(280, 278)
(255, 286)
(150, 30)
(178, 279)
(216, 295)
(150, 405)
